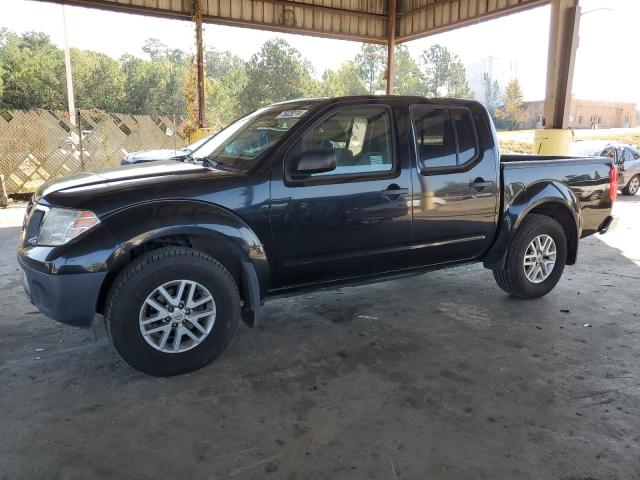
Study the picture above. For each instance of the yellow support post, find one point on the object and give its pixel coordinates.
(556, 138)
(199, 133)
(552, 141)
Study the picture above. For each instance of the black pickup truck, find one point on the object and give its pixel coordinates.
(299, 195)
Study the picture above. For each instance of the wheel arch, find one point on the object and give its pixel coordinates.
(205, 227)
(550, 198)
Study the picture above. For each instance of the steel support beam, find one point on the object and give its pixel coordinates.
(563, 42)
(391, 43)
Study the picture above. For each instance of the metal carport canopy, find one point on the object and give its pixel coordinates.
(362, 20)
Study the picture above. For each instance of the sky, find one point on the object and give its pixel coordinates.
(606, 63)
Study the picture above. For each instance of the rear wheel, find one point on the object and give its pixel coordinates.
(535, 259)
(633, 186)
(172, 310)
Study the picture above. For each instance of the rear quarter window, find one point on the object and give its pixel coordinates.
(445, 137)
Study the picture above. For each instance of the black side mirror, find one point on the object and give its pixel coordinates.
(320, 161)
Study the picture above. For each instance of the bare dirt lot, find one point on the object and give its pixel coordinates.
(441, 376)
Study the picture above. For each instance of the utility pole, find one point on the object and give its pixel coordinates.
(391, 43)
(71, 103)
(199, 61)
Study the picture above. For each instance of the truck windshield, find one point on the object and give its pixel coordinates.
(240, 144)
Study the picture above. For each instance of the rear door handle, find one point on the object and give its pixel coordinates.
(479, 184)
(394, 192)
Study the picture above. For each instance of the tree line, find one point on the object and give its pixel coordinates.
(32, 76)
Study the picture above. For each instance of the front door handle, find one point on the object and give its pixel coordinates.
(479, 184)
(394, 191)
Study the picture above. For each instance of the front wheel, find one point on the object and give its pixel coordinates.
(172, 310)
(633, 186)
(535, 259)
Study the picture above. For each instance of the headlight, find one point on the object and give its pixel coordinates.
(61, 225)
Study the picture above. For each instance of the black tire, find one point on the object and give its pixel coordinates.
(130, 290)
(512, 278)
(632, 187)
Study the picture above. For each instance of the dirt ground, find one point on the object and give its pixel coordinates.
(441, 376)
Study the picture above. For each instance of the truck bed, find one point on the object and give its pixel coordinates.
(587, 177)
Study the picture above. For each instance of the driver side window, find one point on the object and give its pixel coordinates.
(359, 137)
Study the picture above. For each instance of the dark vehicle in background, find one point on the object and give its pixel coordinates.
(626, 157)
(180, 154)
(300, 195)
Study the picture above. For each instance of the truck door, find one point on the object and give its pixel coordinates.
(354, 220)
(455, 186)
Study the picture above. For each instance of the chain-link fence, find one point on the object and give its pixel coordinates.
(40, 145)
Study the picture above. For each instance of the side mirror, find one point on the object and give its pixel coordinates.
(320, 161)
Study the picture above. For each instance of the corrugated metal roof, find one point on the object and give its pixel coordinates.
(363, 20)
(419, 18)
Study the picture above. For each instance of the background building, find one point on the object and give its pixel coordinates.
(586, 114)
(496, 68)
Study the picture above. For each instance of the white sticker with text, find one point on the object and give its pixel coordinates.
(291, 114)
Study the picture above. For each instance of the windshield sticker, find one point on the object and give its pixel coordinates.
(292, 114)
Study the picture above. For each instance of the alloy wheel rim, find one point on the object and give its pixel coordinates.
(635, 183)
(540, 258)
(177, 316)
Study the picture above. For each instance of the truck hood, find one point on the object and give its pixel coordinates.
(160, 176)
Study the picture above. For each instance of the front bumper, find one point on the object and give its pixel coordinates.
(66, 298)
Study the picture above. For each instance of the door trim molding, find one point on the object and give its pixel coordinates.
(298, 262)
(452, 241)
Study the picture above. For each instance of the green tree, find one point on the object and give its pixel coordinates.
(407, 79)
(226, 79)
(32, 71)
(98, 81)
(156, 86)
(372, 61)
(490, 92)
(223, 96)
(347, 80)
(443, 73)
(276, 73)
(218, 63)
(154, 48)
(511, 112)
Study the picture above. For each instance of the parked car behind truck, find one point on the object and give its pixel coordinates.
(300, 195)
(626, 157)
(179, 154)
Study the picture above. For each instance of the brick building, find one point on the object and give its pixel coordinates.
(586, 114)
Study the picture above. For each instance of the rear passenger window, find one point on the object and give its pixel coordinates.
(435, 139)
(444, 137)
(466, 136)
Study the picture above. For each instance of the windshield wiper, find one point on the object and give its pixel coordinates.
(209, 163)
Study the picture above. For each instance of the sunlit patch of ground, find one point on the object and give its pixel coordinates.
(11, 216)
(626, 235)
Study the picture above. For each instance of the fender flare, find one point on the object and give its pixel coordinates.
(210, 227)
(540, 194)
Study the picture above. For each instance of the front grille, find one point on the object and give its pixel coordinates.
(34, 220)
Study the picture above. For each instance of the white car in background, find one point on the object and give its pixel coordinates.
(180, 154)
